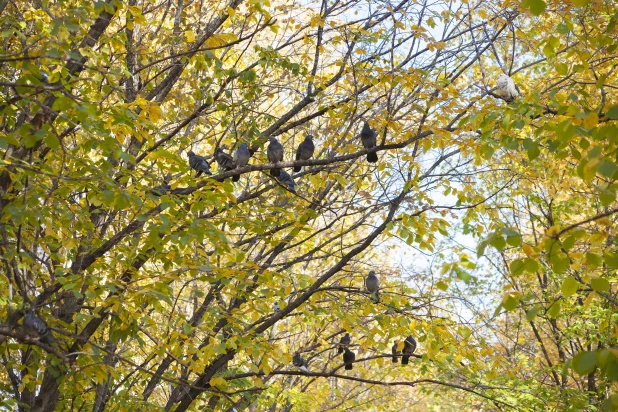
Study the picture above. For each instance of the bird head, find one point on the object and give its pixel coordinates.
(371, 273)
(366, 127)
(309, 138)
(243, 145)
(190, 153)
(271, 139)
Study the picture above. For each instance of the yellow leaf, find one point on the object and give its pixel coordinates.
(528, 250)
(217, 381)
(552, 231)
(190, 36)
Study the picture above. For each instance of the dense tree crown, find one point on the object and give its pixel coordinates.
(308, 205)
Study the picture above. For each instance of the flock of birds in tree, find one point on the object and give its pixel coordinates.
(274, 152)
(405, 349)
(36, 328)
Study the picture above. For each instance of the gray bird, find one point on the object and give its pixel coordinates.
(199, 164)
(225, 162)
(274, 151)
(409, 346)
(345, 341)
(300, 363)
(372, 285)
(286, 179)
(396, 352)
(242, 155)
(348, 358)
(276, 307)
(37, 328)
(304, 151)
(368, 138)
(163, 188)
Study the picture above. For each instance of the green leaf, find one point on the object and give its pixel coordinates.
(612, 113)
(585, 362)
(531, 265)
(510, 302)
(52, 141)
(611, 259)
(599, 284)
(554, 310)
(569, 286)
(580, 3)
(442, 286)
(594, 259)
(517, 267)
(531, 314)
(536, 6)
(607, 169)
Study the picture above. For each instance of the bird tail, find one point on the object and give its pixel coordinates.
(404, 360)
(348, 367)
(375, 298)
(297, 168)
(396, 359)
(236, 178)
(372, 157)
(276, 173)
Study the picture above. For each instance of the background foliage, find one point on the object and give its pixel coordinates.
(489, 223)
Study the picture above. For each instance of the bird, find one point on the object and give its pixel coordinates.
(37, 328)
(199, 164)
(276, 307)
(242, 155)
(274, 151)
(348, 358)
(163, 188)
(286, 179)
(225, 162)
(345, 341)
(372, 284)
(409, 346)
(396, 352)
(506, 87)
(300, 363)
(304, 151)
(368, 138)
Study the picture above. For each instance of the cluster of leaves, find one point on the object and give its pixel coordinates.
(166, 300)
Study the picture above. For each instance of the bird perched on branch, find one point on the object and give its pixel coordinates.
(372, 285)
(199, 164)
(368, 138)
(300, 363)
(506, 87)
(304, 151)
(409, 346)
(348, 358)
(225, 162)
(37, 328)
(286, 179)
(396, 352)
(274, 151)
(344, 342)
(241, 156)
